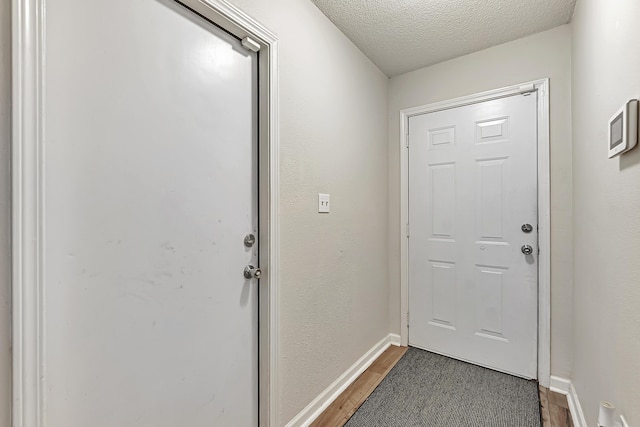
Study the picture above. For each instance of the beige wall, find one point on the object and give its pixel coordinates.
(5, 214)
(333, 104)
(542, 55)
(606, 73)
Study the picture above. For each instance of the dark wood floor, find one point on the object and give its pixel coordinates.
(554, 407)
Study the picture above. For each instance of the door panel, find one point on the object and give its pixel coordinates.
(472, 184)
(151, 186)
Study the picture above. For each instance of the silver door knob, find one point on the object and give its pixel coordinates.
(251, 272)
(526, 249)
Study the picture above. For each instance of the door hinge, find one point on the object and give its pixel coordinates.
(407, 229)
(250, 44)
(407, 141)
(407, 319)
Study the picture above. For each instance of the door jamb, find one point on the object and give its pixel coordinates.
(28, 161)
(541, 87)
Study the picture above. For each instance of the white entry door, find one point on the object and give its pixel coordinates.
(151, 188)
(472, 197)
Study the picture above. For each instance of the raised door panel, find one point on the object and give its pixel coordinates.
(443, 294)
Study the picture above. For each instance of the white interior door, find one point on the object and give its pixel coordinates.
(151, 187)
(472, 186)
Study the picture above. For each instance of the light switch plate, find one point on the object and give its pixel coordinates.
(323, 203)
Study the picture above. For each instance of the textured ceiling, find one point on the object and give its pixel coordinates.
(404, 35)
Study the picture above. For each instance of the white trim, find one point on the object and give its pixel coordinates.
(233, 20)
(559, 385)
(27, 208)
(404, 228)
(394, 339)
(575, 408)
(331, 393)
(623, 421)
(544, 235)
(566, 387)
(269, 377)
(544, 218)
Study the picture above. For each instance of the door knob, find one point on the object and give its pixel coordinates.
(251, 272)
(526, 249)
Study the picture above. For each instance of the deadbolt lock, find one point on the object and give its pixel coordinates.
(249, 240)
(527, 228)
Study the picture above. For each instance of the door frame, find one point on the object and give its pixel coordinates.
(541, 89)
(28, 185)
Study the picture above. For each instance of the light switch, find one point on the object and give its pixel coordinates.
(323, 203)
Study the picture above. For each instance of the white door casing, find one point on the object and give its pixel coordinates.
(472, 184)
(32, 275)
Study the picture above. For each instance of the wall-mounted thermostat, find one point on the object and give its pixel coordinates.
(623, 129)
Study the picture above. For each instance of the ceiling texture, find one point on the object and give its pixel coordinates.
(405, 35)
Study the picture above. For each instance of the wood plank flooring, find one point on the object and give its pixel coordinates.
(339, 412)
(553, 406)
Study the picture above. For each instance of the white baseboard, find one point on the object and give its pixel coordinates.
(575, 408)
(559, 385)
(394, 339)
(324, 399)
(565, 386)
